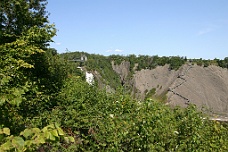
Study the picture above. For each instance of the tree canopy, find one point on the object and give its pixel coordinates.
(30, 73)
(17, 16)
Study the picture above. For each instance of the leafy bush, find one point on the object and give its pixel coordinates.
(115, 122)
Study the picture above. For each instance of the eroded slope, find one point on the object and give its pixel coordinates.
(204, 86)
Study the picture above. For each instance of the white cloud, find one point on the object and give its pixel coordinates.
(205, 31)
(58, 43)
(116, 50)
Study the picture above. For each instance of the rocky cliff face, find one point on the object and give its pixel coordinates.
(123, 70)
(159, 78)
(204, 86)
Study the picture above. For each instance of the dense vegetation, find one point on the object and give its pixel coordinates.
(45, 104)
(98, 63)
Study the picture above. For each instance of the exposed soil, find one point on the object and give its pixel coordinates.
(204, 86)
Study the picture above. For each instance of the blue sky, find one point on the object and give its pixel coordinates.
(192, 28)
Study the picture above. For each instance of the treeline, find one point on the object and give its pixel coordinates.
(217, 62)
(146, 61)
(175, 62)
(150, 62)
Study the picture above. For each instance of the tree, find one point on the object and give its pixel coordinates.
(30, 74)
(176, 62)
(16, 16)
(25, 62)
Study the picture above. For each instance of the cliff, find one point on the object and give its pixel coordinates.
(206, 87)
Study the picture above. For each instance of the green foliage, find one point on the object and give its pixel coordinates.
(30, 74)
(115, 122)
(20, 88)
(98, 63)
(176, 62)
(117, 59)
(31, 139)
(223, 63)
(13, 63)
(103, 66)
(151, 93)
(151, 62)
(17, 16)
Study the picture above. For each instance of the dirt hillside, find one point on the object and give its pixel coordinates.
(204, 86)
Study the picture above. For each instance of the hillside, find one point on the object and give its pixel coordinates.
(174, 80)
(204, 86)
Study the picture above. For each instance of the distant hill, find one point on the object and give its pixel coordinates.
(178, 81)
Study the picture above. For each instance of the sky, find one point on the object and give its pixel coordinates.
(191, 28)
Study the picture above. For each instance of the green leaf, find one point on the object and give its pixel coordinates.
(56, 125)
(45, 129)
(40, 139)
(4, 80)
(60, 131)
(6, 146)
(66, 139)
(51, 126)
(46, 135)
(6, 131)
(26, 133)
(28, 143)
(16, 101)
(71, 139)
(51, 137)
(55, 133)
(18, 142)
(103, 144)
(36, 130)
